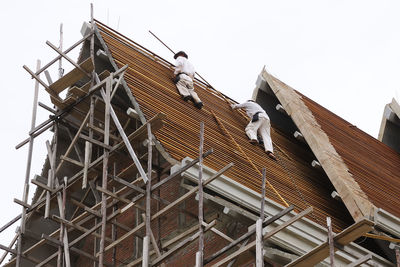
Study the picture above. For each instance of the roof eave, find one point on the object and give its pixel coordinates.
(299, 238)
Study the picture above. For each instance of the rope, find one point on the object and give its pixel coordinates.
(275, 145)
(248, 159)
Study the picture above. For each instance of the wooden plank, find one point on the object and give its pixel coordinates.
(72, 77)
(343, 238)
(84, 90)
(57, 102)
(79, 91)
(68, 101)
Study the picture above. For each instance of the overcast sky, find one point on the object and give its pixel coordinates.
(345, 55)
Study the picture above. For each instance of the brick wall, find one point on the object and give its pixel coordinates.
(170, 228)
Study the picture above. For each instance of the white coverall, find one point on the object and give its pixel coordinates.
(185, 84)
(262, 126)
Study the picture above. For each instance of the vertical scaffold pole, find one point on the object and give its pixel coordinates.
(105, 169)
(259, 228)
(60, 69)
(330, 242)
(200, 256)
(28, 168)
(146, 241)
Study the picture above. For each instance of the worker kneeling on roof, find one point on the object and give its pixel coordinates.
(259, 122)
(184, 75)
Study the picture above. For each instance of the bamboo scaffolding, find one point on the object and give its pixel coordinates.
(28, 166)
(170, 206)
(248, 235)
(74, 178)
(9, 246)
(199, 257)
(269, 234)
(120, 201)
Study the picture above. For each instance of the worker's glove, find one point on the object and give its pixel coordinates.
(176, 79)
(255, 117)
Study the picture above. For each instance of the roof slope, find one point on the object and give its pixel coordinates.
(149, 78)
(373, 165)
(371, 169)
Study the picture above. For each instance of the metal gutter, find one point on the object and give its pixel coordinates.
(387, 221)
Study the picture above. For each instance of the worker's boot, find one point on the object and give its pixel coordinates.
(271, 155)
(199, 105)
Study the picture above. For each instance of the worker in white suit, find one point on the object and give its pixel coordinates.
(184, 75)
(259, 122)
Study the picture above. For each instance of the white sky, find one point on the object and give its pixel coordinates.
(345, 55)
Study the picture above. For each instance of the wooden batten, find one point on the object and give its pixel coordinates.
(355, 200)
(72, 77)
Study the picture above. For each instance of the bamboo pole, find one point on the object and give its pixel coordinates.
(113, 227)
(269, 234)
(87, 233)
(259, 228)
(247, 235)
(330, 242)
(146, 241)
(126, 141)
(64, 235)
(60, 69)
(10, 246)
(28, 167)
(201, 215)
(66, 51)
(105, 169)
(170, 206)
(259, 244)
(73, 142)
